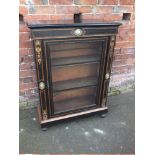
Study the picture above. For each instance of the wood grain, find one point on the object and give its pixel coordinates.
(68, 94)
(74, 71)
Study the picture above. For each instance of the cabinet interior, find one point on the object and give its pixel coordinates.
(74, 74)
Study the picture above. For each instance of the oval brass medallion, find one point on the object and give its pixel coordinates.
(78, 32)
(107, 76)
(41, 85)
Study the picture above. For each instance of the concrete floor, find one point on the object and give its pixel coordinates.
(112, 134)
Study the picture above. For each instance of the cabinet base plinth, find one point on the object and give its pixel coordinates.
(52, 121)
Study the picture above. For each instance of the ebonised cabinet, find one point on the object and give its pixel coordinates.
(73, 64)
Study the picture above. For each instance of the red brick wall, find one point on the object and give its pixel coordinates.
(108, 10)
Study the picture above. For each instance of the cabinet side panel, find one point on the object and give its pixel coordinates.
(42, 79)
(101, 82)
(110, 53)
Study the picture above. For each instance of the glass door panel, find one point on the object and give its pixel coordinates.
(74, 74)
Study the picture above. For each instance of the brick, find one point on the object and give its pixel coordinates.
(124, 37)
(108, 2)
(127, 2)
(61, 2)
(20, 81)
(128, 50)
(123, 80)
(126, 31)
(23, 52)
(124, 51)
(123, 9)
(25, 86)
(125, 44)
(28, 59)
(121, 69)
(31, 92)
(66, 9)
(112, 17)
(117, 51)
(22, 102)
(34, 77)
(85, 9)
(131, 68)
(43, 10)
(31, 51)
(26, 73)
(118, 62)
(61, 17)
(26, 66)
(25, 44)
(130, 61)
(123, 56)
(127, 25)
(23, 10)
(104, 9)
(93, 16)
(40, 2)
(21, 93)
(85, 2)
(36, 17)
(22, 2)
(124, 26)
(24, 36)
(133, 16)
(73, 9)
(20, 59)
(26, 79)
(23, 28)
(32, 96)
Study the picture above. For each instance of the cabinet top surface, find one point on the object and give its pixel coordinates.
(70, 23)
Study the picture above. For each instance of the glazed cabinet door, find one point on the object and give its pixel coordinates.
(75, 74)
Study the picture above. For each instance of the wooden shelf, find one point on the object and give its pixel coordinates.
(73, 84)
(71, 46)
(75, 60)
(74, 104)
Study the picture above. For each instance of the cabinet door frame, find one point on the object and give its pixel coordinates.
(46, 98)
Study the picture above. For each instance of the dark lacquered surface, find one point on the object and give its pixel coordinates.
(74, 79)
(69, 23)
